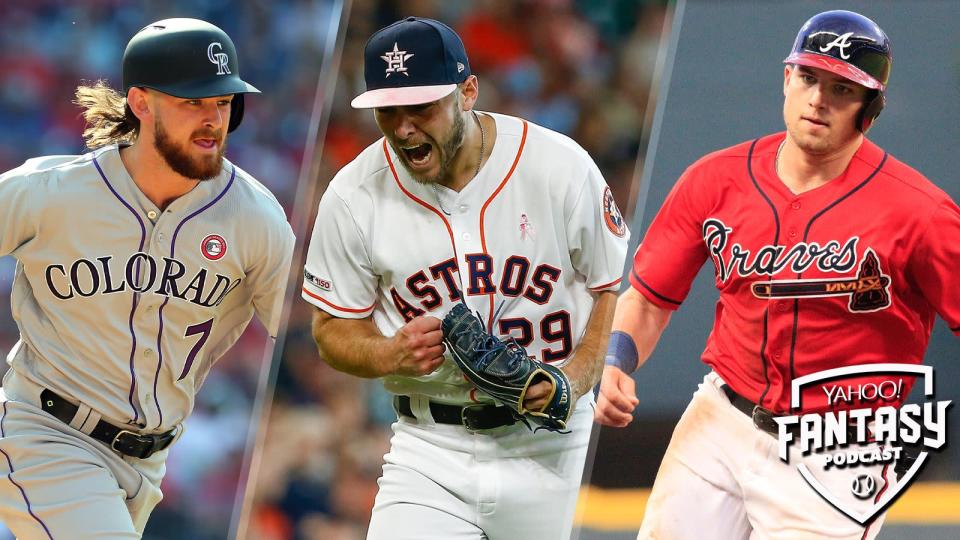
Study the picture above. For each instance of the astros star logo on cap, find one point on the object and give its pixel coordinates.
(395, 60)
(439, 63)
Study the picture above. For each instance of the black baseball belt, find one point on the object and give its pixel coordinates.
(765, 419)
(128, 443)
(473, 417)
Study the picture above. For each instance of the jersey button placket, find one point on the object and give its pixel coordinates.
(148, 323)
(157, 247)
(791, 222)
(466, 239)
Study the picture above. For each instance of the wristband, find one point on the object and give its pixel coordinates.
(622, 352)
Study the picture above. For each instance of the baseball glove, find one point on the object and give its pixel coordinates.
(503, 371)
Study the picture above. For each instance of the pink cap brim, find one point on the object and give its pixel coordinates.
(831, 64)
(395, 97)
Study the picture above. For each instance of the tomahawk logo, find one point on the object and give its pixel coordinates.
(219, 58)
(869, 291)
(842, 42)
(871, 434)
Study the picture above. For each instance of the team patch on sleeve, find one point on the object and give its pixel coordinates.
(611, 214)
(320, 283)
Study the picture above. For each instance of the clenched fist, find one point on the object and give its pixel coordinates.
(617, 399)
(418, 347)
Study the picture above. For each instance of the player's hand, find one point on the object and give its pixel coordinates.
(418, 347)
(537, 396)
(617, 399)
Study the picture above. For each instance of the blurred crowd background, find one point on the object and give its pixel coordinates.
(580, 67)
(46, 49)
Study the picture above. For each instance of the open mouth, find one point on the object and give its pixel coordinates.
(205, 143)
(418, 155)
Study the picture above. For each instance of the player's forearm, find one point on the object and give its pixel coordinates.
(642, 320)
(585, 367)
(353, 346)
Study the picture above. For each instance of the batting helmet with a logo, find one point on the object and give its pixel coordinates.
(852, 46)
(186, 58)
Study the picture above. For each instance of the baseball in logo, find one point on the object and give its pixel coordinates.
(864, 486)
(213, 247)
(611, 214)
(867, 433)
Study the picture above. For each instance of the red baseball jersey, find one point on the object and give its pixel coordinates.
(852, 272)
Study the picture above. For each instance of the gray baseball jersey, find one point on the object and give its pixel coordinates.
(122, 306)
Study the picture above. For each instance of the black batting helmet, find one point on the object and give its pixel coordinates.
(852, 46)
(186, 58)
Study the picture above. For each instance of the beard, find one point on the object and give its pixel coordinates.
(179, 160)
(446, 151)
(808, 143)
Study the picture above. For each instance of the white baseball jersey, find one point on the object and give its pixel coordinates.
(125, 307)
(531, 239)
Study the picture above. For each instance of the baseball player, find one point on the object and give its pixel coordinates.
(777, 215)
(138, 265)
(457, 206)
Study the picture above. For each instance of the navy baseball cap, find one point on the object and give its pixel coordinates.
(410, 62)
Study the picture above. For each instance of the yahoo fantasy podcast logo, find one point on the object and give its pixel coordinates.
(872, 433)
